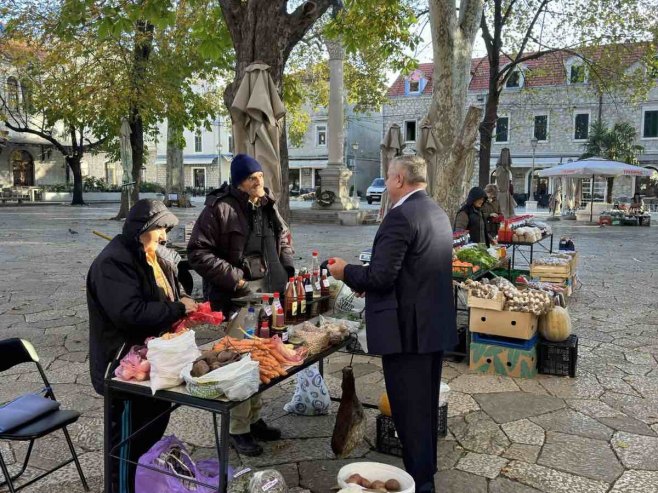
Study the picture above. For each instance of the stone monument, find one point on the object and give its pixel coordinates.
(335, 177)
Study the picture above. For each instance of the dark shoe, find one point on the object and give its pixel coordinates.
(261, 431)
(246, 445)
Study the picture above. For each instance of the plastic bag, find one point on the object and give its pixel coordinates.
(169, 454)
(202, 315)
(134, 365)
(169, 357)
(311, 397)
(237, 381)
(268, 481)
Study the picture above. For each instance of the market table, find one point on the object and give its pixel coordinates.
(516, 246)
(180, 397)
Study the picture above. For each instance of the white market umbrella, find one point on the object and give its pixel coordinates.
(593, 167)
(126, 150)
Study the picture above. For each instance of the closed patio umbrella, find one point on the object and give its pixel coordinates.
(391, 146)
(257, 112)
(593, 167)
(125, 150)
(503, 180)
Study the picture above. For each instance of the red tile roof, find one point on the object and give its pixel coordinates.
(548, 70)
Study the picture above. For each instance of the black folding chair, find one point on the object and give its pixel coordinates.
(13, 352)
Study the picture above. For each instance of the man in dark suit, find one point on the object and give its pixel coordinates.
(410, 314)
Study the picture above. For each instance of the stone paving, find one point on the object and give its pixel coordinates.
(595, 433)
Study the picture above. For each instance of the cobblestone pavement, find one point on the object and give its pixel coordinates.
(595, 433)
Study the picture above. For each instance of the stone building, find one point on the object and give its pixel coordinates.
(549, 99)
(361, 150)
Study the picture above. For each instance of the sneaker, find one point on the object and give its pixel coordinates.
(245, 444)
(261, 431)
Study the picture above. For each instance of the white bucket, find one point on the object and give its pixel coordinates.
(376, 471)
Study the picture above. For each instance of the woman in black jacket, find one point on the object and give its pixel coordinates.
(133, 293)
(470, 216)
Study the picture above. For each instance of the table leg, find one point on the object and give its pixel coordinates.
(107, 438)
(321, 367)
(513, 256)
(222, 444)
(551, 250)
(532, 249)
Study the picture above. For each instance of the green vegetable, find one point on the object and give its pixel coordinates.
(476, 255)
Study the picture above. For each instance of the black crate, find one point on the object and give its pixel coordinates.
(558, 358)
(387, 438)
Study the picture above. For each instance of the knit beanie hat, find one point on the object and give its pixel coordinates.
(241, 167)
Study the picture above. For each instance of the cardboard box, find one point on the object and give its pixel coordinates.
(496, 303)
(517, 325)
(507, 361)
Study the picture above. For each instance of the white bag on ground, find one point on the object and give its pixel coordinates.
(237, 381)
(169, 357)
(311, 397)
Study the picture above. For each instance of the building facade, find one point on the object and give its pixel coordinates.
(361, 150)
(545, 115)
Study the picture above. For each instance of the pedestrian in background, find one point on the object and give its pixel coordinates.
(470, 216)
(491, 210)
(409, 310)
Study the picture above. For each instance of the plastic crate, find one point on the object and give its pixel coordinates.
(558, 358)
(387, 438)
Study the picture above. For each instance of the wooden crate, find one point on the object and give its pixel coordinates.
(550, 270)
(518, 325)
(496, 303)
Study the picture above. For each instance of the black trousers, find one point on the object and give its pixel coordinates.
(129, 414)
(412, 383)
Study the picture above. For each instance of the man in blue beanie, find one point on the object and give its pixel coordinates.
(239, 245)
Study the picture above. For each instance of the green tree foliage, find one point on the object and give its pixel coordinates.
(617, 143)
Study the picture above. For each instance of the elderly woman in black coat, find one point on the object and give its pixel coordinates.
(470, 217)
(133, 293)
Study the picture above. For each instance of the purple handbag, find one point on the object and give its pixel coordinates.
(170, 455)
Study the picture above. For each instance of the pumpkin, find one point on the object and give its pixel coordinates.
(384, 405)
(555, 325)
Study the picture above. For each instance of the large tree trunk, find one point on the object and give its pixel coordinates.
(487, 127)
(455, 129)
(141, 54)
(74, 163)
(175, 165)
(263, 30)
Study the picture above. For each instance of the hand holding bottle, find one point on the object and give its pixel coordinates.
(336, 267)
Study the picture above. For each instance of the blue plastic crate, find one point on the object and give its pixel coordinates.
(509, 342)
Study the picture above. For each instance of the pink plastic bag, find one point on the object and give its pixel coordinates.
(203, 315)
(134, 365)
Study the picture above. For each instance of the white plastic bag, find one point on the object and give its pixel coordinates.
(237, 381)
(168, 357)
(311, 397)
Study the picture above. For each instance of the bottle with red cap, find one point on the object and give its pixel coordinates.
(264, 315)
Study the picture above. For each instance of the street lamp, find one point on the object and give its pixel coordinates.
(533, 144)
(355, 148)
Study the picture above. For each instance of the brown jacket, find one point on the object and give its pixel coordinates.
(218, 239)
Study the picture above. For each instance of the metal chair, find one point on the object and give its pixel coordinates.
(13, 352)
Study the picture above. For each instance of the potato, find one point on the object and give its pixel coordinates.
(392, 485)
(209, 356)
(354, 478)
(200, 368)
(225, 356)
(365, 483)
(378, 485)
(214, 365)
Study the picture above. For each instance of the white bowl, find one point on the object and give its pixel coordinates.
(374, 471)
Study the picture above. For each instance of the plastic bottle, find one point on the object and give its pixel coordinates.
(290, 300)
(265, 330)
(301, 299)
(279, 320)
(264, 314)
(276, 302)
(250, 322)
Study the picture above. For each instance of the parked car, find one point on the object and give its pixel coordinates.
(375, 190)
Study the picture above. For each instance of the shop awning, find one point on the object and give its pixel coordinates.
(307, 163)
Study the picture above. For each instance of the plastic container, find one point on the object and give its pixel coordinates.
(250, 322)
(387, 441)
(377, 471)
(558, 358)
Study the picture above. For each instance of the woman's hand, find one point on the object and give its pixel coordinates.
(190, 305)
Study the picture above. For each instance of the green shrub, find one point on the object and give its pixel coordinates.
(149, 187)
